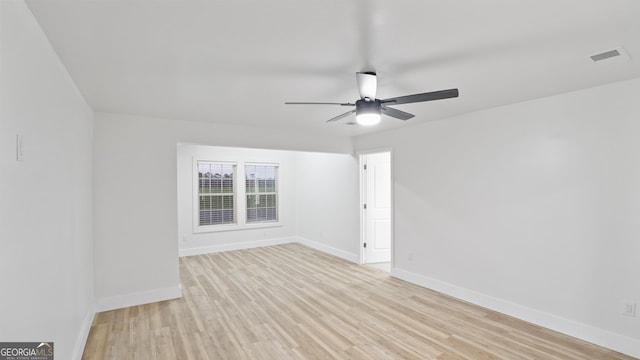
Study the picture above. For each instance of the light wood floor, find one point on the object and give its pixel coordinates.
(292, 302)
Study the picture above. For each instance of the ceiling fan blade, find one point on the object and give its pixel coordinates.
(396, 113)
(428, 96)
(341, 116)
(367, 84)
(317, 103)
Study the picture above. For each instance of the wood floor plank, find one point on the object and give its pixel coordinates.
(293, 302)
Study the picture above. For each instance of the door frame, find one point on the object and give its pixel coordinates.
(363, 196)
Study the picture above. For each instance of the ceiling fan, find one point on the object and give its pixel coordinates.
(369, 110)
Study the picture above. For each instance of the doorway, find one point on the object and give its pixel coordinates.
(376, 195)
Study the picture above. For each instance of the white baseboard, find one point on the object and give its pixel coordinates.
(598, 336)
(81, 341)
(138, 298)
(235, 246)
(330, 250)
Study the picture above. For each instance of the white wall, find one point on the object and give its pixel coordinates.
(197, 243)
(46, 266)
(531, 209)
(327, 203)
(135, 197)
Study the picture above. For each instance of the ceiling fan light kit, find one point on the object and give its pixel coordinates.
(369, 110)
(368, 119)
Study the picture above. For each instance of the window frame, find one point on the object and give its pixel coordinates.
(198, 194)
(240, 198)
(276, 193)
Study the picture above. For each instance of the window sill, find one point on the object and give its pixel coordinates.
(235, 227)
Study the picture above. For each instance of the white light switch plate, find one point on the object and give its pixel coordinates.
(19, 150)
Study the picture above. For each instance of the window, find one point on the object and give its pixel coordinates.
(261, 187)
(216, 193)
(222, 201)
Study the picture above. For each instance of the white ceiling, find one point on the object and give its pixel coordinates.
(238, 61)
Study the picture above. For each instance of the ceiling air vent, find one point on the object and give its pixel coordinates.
(605, 55)
(614, 56)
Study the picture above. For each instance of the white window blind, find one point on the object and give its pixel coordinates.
(216, 193)
(261, 187)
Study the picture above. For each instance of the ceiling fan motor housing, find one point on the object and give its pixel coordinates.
(365, 106)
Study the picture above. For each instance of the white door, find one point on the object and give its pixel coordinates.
(377, 209)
